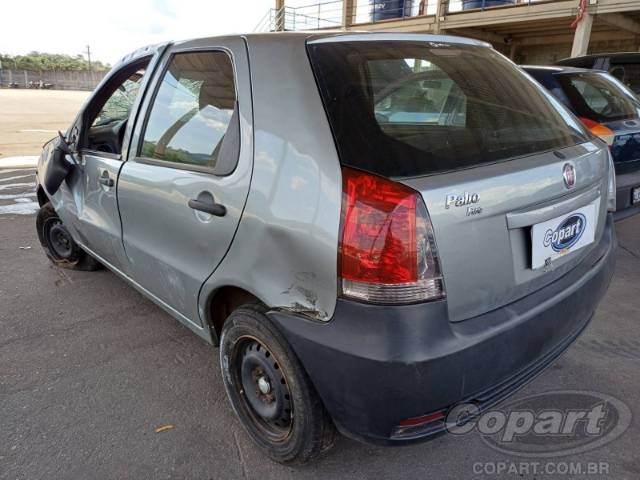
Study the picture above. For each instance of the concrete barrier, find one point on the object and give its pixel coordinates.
(55, 79)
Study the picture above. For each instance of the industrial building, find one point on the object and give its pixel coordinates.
(528, 31)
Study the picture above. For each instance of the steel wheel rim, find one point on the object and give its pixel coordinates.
(270, 411)
(58, 239)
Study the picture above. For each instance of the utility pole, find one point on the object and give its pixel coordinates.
(89, 56)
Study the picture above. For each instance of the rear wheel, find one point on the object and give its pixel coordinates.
(269, 390)
(58, 244)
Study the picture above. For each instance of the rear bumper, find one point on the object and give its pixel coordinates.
(625, 183)
(374, 366)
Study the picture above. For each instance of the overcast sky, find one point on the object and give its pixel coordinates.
(116, 27)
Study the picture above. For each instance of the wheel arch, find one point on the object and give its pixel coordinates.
(221, 303)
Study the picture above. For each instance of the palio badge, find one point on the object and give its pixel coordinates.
(465, 200)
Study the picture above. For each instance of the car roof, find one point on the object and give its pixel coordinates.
(354, 35)
(324, 37)
(624, 56)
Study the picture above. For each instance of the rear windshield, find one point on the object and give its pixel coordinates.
(599, 97)
(403, 109)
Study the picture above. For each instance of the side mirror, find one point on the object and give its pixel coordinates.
(64, 147)
(58, 167)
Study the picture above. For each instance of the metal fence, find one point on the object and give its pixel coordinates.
(50, 79)
(309, 17)
(329, 13)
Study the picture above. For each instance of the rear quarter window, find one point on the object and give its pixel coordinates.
(402, 109)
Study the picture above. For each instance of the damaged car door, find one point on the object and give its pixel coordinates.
(184, 187)
(102, 138)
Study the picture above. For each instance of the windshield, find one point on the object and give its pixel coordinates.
(599, 97)
(402, 109)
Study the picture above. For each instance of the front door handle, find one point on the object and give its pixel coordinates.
(104, 179)
(211, 208)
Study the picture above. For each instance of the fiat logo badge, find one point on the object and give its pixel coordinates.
(569, 175)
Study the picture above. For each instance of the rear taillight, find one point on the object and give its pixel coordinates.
(608, 136)
(387, 249)
(599, 130)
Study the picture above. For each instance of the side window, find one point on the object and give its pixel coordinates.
(192, 111)
(110, 110)
(118, 106)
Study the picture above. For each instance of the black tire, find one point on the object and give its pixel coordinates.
(58, 244)
(252, 348)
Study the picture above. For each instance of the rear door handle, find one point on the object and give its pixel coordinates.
(211, 208)
(104, 179)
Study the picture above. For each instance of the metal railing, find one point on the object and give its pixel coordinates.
(329, 14)
(308, 17)
(455, 6)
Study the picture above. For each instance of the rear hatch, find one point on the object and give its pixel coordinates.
(487, 257)
(497, 160)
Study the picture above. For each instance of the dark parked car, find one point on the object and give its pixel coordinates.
(624, 66)
(612, 112)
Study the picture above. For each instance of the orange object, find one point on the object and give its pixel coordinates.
(599, 130)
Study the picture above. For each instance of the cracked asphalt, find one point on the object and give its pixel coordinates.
(89, 369)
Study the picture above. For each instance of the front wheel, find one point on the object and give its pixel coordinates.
(58, 244)
(270, 391)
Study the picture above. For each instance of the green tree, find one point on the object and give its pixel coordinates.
(50, 61)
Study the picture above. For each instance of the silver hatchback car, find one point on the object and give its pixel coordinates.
(373, 228)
